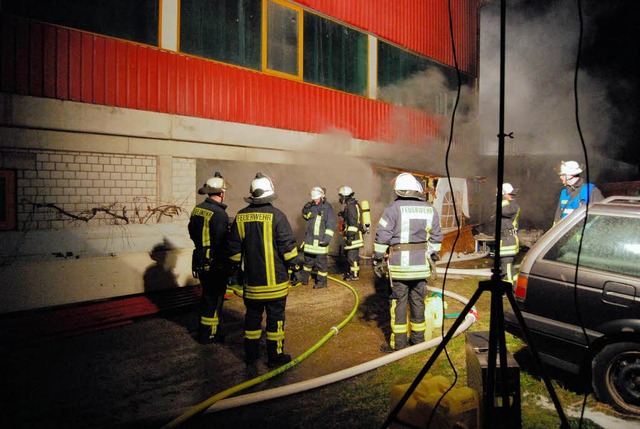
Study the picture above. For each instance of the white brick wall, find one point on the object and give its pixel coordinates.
(77, 183)
(184, 184)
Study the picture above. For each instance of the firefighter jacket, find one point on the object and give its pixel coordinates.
(509, 241)
(352, 216)
(262, 240)
(409, 231)
(321, 225)
(209, 231)
(572, 197)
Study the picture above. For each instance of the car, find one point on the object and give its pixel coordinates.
(586, 321)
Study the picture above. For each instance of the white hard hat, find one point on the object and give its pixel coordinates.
(345, 191)
(406, 185)
(213, 185)
(508, 189)
(570, 168)
(262, 190)
(316, 192)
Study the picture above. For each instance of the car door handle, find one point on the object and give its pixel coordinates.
(618, 293)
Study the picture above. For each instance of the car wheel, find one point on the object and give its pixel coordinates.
(616, 376)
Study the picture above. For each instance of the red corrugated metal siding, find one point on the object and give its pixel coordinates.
(45, 60)
(420, 25)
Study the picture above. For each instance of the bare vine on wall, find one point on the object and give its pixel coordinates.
(116, 214)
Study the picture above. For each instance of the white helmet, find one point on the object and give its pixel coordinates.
(316, 192)
(345, 191)
(570, 168)
(406, 185)
(508, 189)
(262, 190)
(213, 185)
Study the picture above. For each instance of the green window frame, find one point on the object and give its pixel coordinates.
(222, 30)
(125, 19)
(335, 56)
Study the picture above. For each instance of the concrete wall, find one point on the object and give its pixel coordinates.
(104, 194)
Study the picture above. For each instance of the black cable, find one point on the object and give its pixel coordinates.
(586, 213)
(455, 210)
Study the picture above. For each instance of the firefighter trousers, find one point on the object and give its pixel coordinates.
(321, 265)
(412, 294)
(353, 259)
(214, 286)
(275, 310)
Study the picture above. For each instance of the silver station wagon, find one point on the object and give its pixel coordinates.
(587, 320)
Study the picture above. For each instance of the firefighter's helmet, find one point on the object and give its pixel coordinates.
(316, 192)
(570, 168)
(261, 190)
(214, 185)
(345, 191)
(508, 189)
(406, 185)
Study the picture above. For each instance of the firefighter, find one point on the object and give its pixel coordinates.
(407, 235)
(321, 224)
(576, 191)
(209, 231)
(509, 241)
(262, 243)
(352, 231)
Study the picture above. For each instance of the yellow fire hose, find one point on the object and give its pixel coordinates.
(232, 390)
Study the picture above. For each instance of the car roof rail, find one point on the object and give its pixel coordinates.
(621, 199)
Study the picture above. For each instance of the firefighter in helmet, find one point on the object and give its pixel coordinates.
(576, 191)
(352, 231)
(408, 233)
(509, 241)
(321, 225)
(262, 243)
(209, 231)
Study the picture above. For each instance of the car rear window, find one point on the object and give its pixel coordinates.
(610, 244)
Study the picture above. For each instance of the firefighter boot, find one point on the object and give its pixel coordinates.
(251, 351)
(350, 277)
(278, 360)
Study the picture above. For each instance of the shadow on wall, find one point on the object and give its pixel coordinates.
(161, 275)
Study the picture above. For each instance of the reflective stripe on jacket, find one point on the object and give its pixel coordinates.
(408, 220)
(262, 239)
(321, 225)
(209, 230)
(352, 216)
(509, 240)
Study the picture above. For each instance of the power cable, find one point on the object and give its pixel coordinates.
(586, 213)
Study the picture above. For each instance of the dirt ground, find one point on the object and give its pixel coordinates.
(149, 372)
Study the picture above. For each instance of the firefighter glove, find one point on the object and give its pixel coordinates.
(323, 243)
(379, 268)
(434, 256)
(199, 261)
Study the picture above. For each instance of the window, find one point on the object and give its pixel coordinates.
(283, 30)
(124, 19)
(409, 80)
(7, 200)
(610, 244)
(223, 30)
(335, 56)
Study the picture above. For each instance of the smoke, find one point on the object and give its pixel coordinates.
(542, 40)
(293, 182)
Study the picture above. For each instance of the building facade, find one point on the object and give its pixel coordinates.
(113, 113)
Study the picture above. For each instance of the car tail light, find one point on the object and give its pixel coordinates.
(522, 283)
